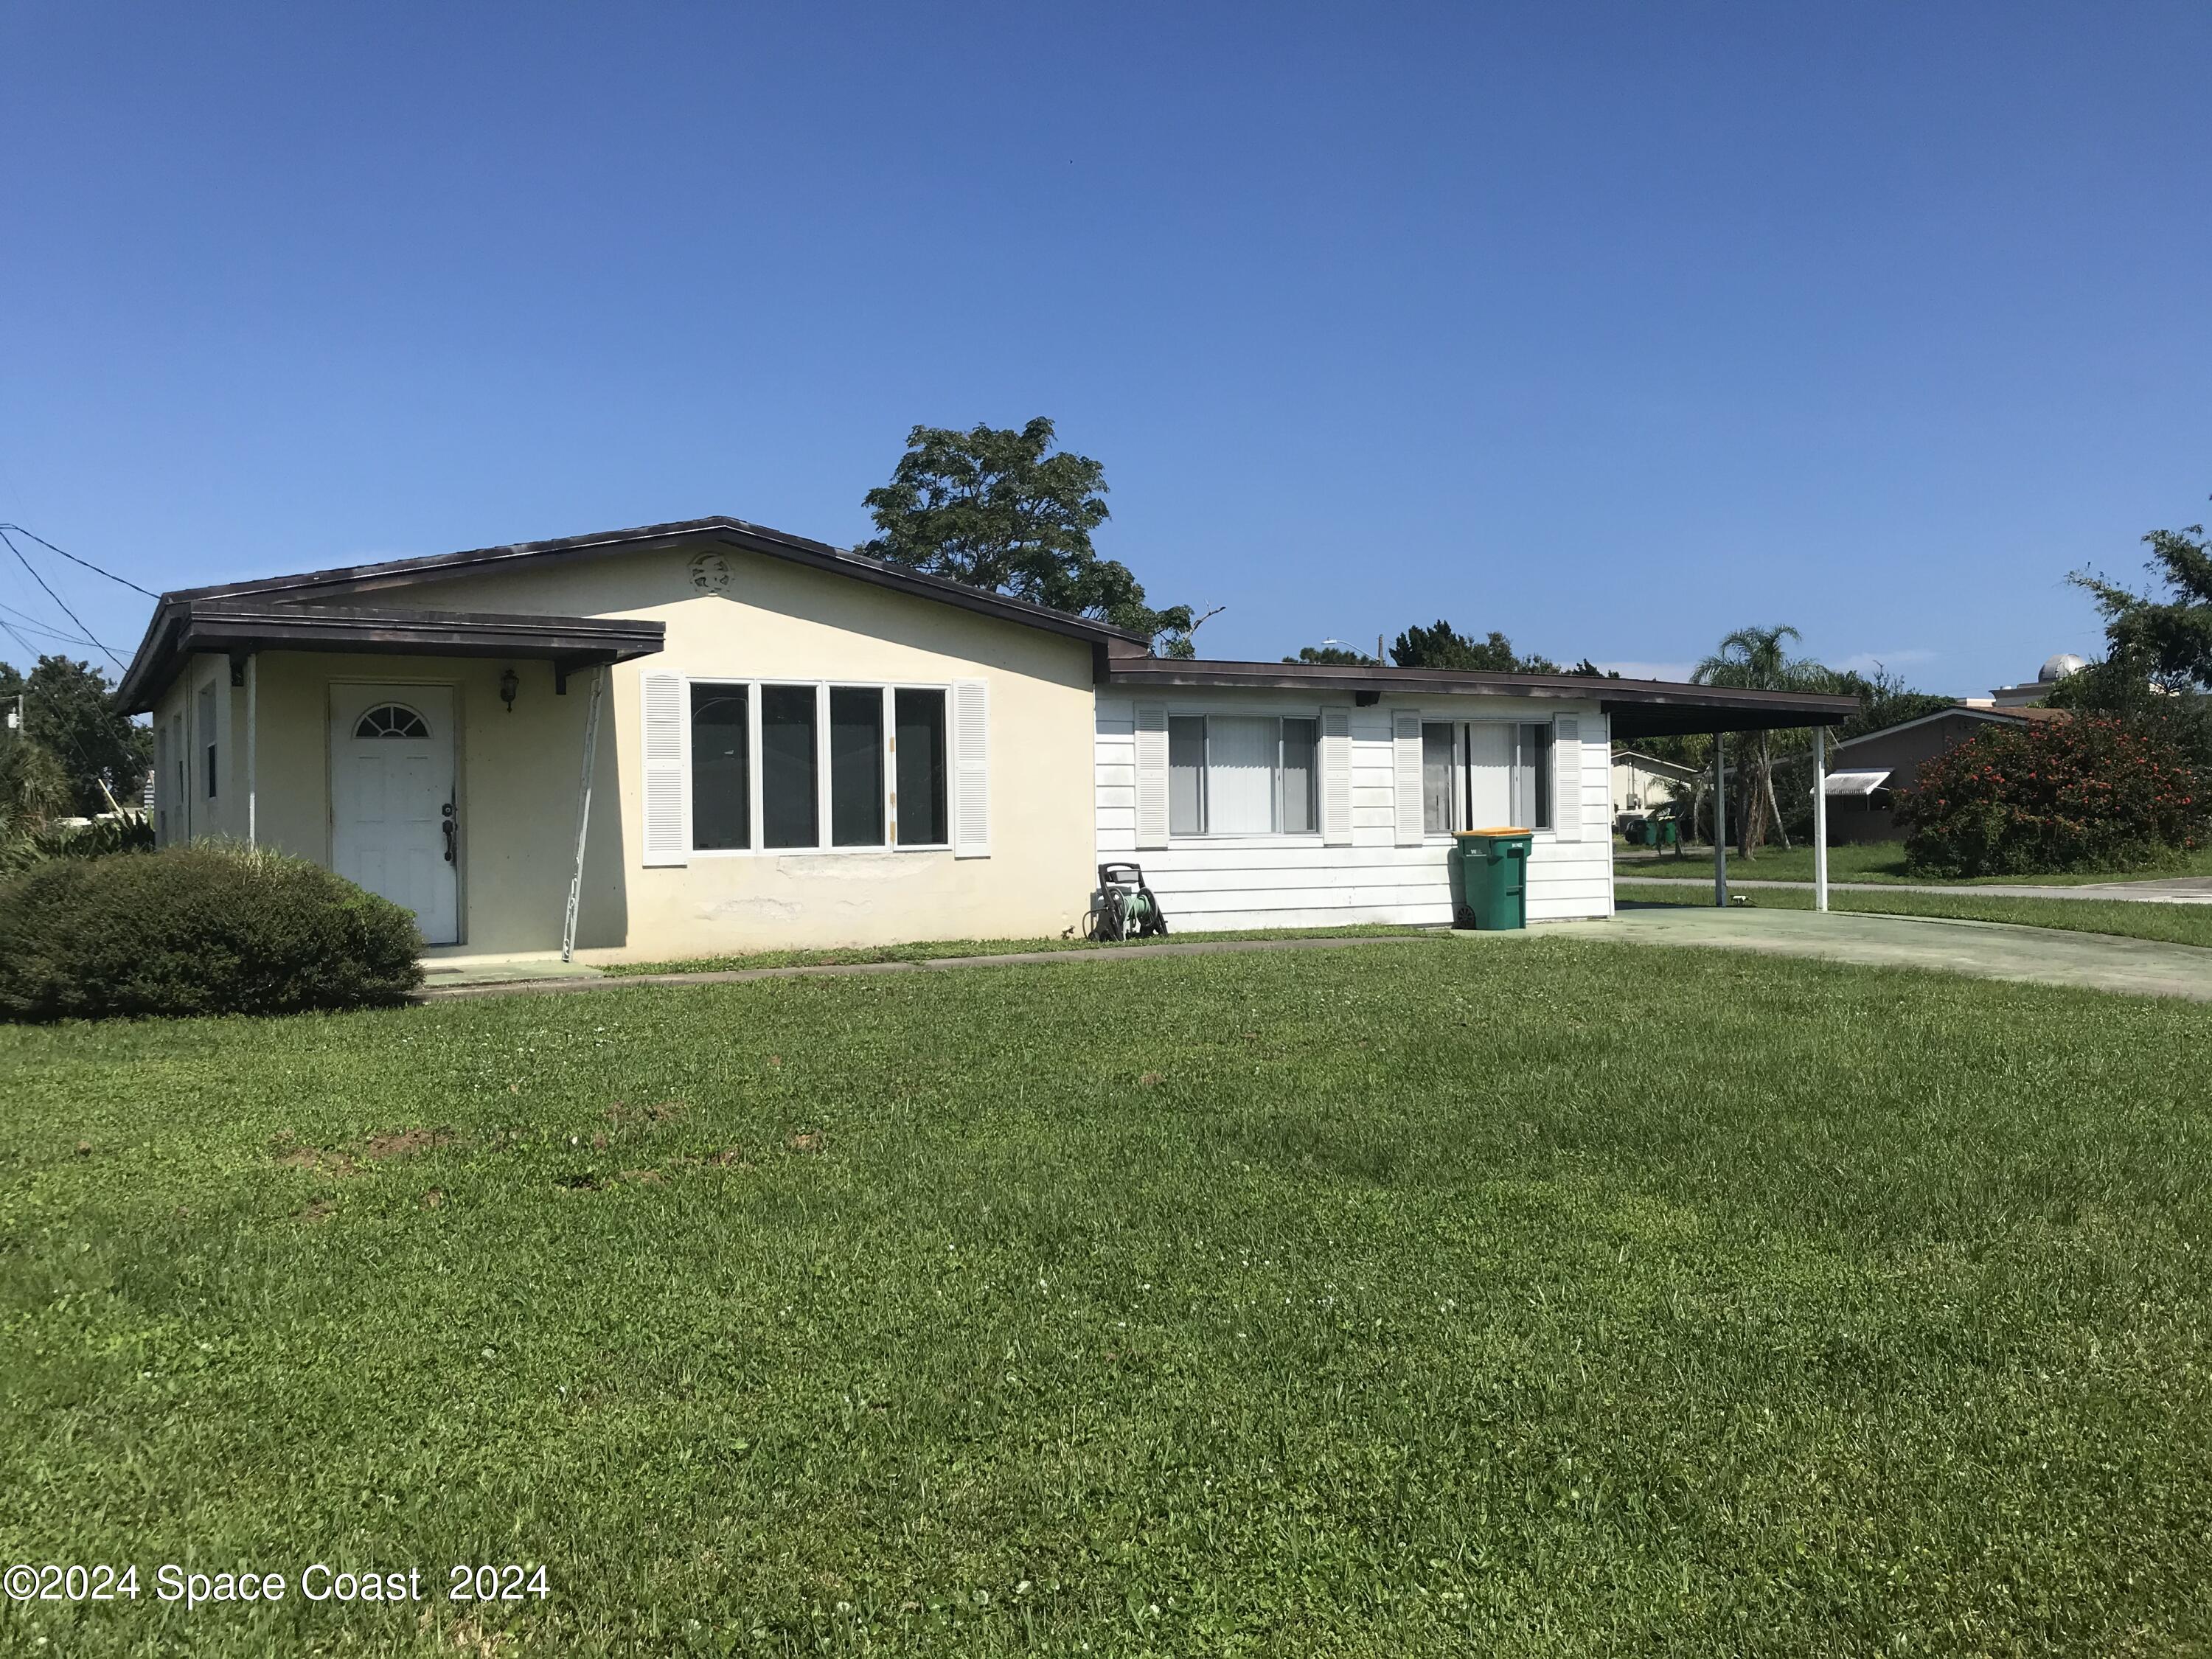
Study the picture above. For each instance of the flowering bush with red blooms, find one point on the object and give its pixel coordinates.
(2073, 794)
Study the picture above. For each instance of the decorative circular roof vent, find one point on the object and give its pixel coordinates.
(2056, 668)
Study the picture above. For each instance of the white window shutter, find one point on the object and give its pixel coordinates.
(1405, 764)
(667, 770)
(971, 769)
(1151, 775)
(1567, 778)
(1336, 777)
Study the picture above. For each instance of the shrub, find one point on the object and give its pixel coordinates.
(2055, 795)
(206, 929)
(129, 833)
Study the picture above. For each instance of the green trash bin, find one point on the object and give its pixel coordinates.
(1489, 878)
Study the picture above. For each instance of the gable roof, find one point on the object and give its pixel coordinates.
(1653, 764)
(159, 652)
(1998, 716)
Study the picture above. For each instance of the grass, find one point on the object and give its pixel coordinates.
(939, 949)
(1875, 862)
(1577, 1300)
(2173, 924)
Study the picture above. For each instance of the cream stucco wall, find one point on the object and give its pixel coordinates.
(518, 771)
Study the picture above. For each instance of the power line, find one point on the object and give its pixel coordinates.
(86, 564)
(24, 618)
(57, 597)
(35, 652)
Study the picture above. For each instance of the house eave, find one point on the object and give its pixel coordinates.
(184, 628)
(1638, 707)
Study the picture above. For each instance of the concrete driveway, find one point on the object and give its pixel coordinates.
(2172, 889)
(1988, 949)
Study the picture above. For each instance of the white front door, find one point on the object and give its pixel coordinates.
(393, 800)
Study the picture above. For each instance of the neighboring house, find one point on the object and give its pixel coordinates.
(1642, 783)
(783, 744)
(1865, 771)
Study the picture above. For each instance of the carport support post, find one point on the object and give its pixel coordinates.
(252, 772)
(583, 813)
(1720, 819)
(1820, 817)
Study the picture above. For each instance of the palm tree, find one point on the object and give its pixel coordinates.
(1756, 659)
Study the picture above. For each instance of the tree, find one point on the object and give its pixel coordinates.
(2168, 639)
(1342, 655)
(1885, 700)
(995, 508)
(1444, 647)
(1590, 670)
(2157, 668)
(72, 741)
(1756, 659)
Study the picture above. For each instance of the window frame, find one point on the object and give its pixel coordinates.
(1462, 782)
(1276, 834)
(209, 757)
(756, 802)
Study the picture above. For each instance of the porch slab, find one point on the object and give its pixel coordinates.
(443, 969)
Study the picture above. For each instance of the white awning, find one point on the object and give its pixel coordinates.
(1855, 783)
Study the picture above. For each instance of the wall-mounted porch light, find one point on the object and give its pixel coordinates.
(508, 685)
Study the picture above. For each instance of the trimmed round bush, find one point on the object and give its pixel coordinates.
(205, 929)
(2053, 796)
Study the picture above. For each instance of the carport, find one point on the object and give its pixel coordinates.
(1639, 709)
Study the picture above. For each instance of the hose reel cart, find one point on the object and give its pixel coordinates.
(1123, 907)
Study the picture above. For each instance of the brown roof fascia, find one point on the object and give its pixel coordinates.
(1664, 705)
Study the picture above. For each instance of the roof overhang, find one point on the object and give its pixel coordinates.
(185, 626)
(1636, 707)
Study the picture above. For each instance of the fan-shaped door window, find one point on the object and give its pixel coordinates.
(391, 720)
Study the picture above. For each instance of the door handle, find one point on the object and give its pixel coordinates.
(450, 828)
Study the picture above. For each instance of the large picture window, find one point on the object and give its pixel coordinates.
(1479, 773)
(1242, 774)
(773, 766)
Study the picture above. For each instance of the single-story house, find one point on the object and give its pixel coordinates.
(1642, 783)
(711, 737)
(1866, 770)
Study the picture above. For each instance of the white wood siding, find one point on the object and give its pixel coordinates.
(1219, 882)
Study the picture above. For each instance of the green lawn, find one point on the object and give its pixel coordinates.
(1882, 861)
(1563, 1298)
(2175, 924)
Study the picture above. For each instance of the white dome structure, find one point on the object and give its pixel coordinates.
(2056, 668)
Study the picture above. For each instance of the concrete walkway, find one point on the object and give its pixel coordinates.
(2178, 890)
(575, 978)
(1986, 950)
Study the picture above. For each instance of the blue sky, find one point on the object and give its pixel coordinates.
(1611, 327)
